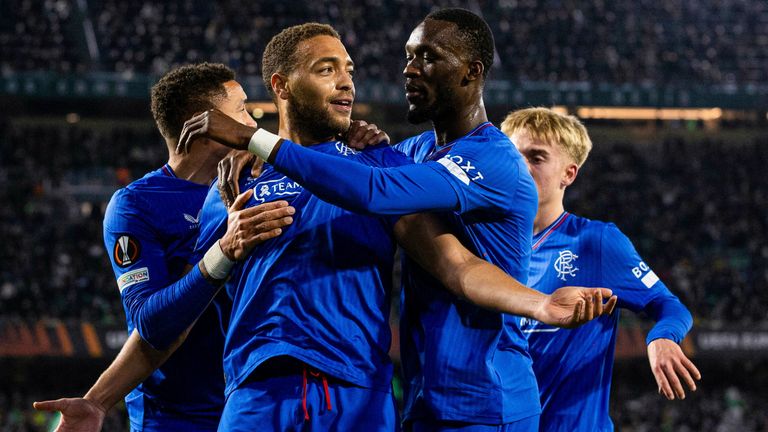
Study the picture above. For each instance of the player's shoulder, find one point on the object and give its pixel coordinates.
(594, 229)
(410, 146)
(605, 234)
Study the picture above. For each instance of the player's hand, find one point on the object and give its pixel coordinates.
(670, 366)
(249, 227)
(229, 170)
(362, 134)
(77, 414)
(570, 307)
(215, 125)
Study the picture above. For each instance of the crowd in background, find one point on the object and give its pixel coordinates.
(619, 41)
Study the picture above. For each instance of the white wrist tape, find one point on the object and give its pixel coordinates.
(216, 263)
(262, 143)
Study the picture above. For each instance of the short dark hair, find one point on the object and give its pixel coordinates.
(187, 90)
(280, 53)
(473, 31)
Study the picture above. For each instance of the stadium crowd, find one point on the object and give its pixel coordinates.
(624, 41)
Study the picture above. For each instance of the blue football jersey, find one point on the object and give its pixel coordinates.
(150, 228)
(320, 291)
(574, 366)
(461, 362)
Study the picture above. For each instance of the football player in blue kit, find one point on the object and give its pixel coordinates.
(150, 229)
(573, 366)
(465, 367)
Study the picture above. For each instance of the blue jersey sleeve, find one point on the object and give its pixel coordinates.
(213, 222)
(476, 173)
(149, 293)
(625, 272)
(673, 320)
(365, 189)
(639, 288)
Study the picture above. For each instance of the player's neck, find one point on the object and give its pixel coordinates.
(546, 215)
(196, 166)
(296, 132)
(460, 123)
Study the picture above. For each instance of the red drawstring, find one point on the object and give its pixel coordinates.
(327, 393)
(304, 391)
(304, 394)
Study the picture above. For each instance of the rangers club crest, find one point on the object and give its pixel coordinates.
(564, 264)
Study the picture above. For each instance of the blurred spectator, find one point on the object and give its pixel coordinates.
(624, 41)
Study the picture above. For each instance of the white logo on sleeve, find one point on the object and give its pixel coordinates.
(461, 168)
(564, 264)
(645, 274)
(132, 278)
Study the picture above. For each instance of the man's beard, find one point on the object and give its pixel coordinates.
(316, 122)
(443, 103)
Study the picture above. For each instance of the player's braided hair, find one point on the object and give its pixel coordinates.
(280, 53)
(473, 32)
(185, 91)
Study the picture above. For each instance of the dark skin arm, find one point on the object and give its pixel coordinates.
(425, 238)
(215, 125)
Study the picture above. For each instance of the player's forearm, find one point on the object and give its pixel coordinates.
(184, 300)
(135, 363)
(427, 240)
(364, 189)
(487, 286)
(673, 320)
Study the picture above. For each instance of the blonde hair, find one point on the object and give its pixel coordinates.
(544, 124)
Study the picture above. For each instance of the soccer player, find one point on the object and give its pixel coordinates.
(465, 367)
(150, 229)
(573, 366)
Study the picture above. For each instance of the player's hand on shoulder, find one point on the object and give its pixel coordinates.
(362, 134)
(249, 227)
(77, 414)
(214, 124)
(671, 368)
(571, 307)
(229, 170)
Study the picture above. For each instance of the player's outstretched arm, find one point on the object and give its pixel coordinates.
(671, 368)
(346, 183)
(135, 362)
(428, 241)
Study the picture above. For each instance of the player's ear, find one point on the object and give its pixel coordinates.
(474, 71)
(569, 176)
(280, 86)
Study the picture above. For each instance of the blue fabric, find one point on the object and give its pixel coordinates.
(574, 367)
(460, 362)
(367, 189)
(319, 292)
(528, 424)
(150, 228)
(275, 404)
(673, 320)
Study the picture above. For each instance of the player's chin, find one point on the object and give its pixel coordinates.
(341, 122)
(418, 114)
